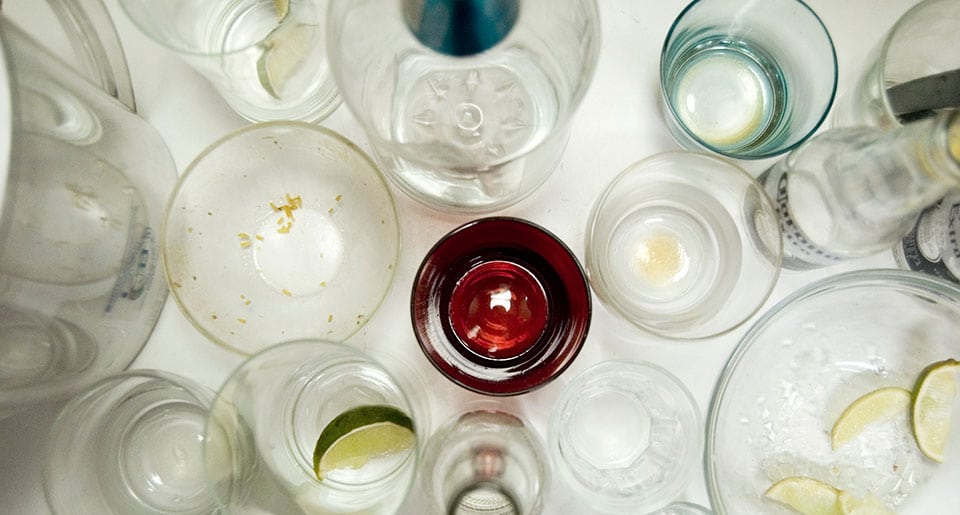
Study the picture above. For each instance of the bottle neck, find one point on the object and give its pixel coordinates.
(937, 143)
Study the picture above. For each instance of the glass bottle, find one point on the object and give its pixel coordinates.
(854, 192)
(466, 103)
(485, 461)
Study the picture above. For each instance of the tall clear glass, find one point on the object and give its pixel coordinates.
(485, 461)
(131, 443)
(746, 80)
(914, 70)
(267, 58)
(266, 421)
(475, 132)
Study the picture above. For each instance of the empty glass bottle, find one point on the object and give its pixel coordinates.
(466, 103)
(855, 192)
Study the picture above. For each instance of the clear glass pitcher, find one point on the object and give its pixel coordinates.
(467, 103)
(83, 184)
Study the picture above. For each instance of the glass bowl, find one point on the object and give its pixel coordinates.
(803, 363)
(280, 231)
(500, 306)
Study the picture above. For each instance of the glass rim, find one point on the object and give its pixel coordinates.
(736, 154)
(838, 282)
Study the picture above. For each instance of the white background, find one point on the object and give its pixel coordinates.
(617, 124)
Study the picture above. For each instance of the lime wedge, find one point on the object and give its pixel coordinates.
(360, 434)
(869, 505)
(876, 406)
(806, 495)
(284, 50)
(932, 407)
(283, 7)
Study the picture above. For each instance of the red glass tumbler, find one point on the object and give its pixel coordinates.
(500, 306)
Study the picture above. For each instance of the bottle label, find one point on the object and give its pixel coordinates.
(799, 253)
(917, 254)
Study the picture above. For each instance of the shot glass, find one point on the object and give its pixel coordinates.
(684, 245)
(131, 443)
(911, 73)
(266, 422)
(626, 437)
(266, 58)
(747, 81)
(485, 461)
(500, 306)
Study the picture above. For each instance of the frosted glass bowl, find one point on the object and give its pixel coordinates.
(806, 360)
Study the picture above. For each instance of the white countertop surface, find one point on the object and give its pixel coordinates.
(617, 124)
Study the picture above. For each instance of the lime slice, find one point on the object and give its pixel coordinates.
(360, 434)
(869, 505)
(284, 50)
(876, 406)
(283, 7)
(806, 495)
(932, 407)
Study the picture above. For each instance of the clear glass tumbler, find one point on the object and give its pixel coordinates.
(500, 306)
(485, 461)
(914, 70)
(268, 417)
(470, 127)
(266, 58)
(131, 443)
(684, 245)
(747, 81)
(626, 436)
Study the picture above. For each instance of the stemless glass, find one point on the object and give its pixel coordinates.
(626, 436)
(131, 443)
(913, 71)
(457, 128)
(485, 461)
(746, 80)
(684, 245)
(267, 59)
(265, 423)
(500, 306)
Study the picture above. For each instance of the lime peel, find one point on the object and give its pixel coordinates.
(877, 406)
(932, 406)
(806, 495)
(284, 50)
(360, 434)
(869, 505)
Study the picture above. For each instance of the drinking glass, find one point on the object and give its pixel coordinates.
(131, 443)
(683, 508)
(500, 306)
(462, 123)
(626, 436)
(747, 81)
(267, 58)
(684, 245)
(485, 461)
(266, 420)
(912, 71)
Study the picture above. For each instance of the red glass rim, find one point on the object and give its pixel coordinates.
(532, 248)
